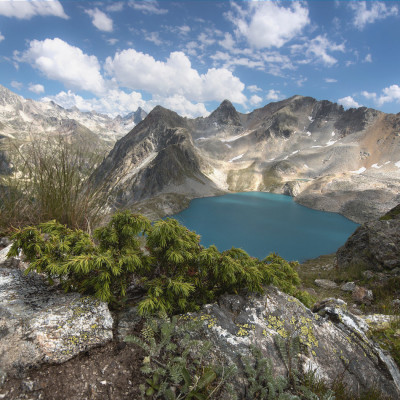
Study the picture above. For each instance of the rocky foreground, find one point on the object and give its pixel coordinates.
(55, 345)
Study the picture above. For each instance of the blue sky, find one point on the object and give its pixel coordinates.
(189, 55)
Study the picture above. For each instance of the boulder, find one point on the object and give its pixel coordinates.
(40, 323)
(325, 283)
(348, 287)
(374, 245)
(334, 343)
(362, 295)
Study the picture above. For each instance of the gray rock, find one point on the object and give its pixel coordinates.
(375, 244)
(325, 283)
(329, 302)
(348, 286)
(334, 342)
(368, 274)
(39, 323)
(362, 295)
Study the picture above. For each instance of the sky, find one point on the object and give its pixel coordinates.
(189, 55)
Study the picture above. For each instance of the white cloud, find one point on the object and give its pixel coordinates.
(26, 9)
(368, 58)
(274, 95)
(267, 24)
(180, 105)
(16, 85)
(1, 37)
(154, 38)
(115, 102)
(254, 100)
(364, 15)
(330, 80)
(36, 88)
(175, 76)
(389, 94)
(60, 61)
(254, 88)
(318, 48)
(369, 95)
(116, 6)
(112, 41)
(100, 20)
(348, 102)
(147, 7)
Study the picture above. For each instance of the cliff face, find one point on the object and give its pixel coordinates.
(328, 158)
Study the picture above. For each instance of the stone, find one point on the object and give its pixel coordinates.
(331, 302)
(376, 244)
(368, 274)
(396, 303)
(362, 295)
(348, 286)
(325, 283)
(334, 342)
(42, 324)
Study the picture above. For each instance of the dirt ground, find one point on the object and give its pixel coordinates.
(110, 372)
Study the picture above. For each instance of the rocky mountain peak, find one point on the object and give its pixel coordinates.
(225, 114)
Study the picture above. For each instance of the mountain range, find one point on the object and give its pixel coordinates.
(20, 118)
(328, 158)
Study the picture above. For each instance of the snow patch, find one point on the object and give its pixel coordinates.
(228, 145)
(314, 147)
(387, 162)
(310, 118)
(236, 158)
(295, 152)
(359, 171)
(308, 133)
(202, 138)
(306, 166)
(376, 166)
(333, 133)
(397, 164)
(330, 143)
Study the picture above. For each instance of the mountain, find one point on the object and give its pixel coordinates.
(20, 118)
(328, 158)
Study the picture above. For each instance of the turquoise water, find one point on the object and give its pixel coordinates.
(261, 223)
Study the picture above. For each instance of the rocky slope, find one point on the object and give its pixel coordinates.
(20, 118)
(324, 156)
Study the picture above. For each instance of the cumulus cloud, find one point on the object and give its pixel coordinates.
(181, 105)
(115, 6)
(147, 7)
(330, 80)
(68, 64)
(274, 95)
(115, 102)
(175, 76)
(26, 9)
(369, 95)
(318, 49)
(16, 85)
(36, 88)
(348, 102)
(266, 24)
(1, 37)
(254, 100)
(153, 37)
(389, 94)
(364, 14)
(100, 20)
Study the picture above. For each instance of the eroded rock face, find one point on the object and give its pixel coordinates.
(334, 342)
(375, 244)
(39, 323)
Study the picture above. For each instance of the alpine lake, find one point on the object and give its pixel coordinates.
(263, 223)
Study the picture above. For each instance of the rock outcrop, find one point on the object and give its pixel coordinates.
(375, 245)
(334, 343)
(41, 324)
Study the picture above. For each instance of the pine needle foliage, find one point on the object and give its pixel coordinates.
(175, 363)
(178, 274)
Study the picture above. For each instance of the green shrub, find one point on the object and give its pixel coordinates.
(177, 273)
